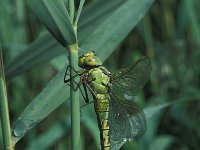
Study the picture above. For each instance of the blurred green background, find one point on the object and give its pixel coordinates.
(169, 34)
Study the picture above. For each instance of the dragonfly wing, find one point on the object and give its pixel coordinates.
(127, 120)
(130, 80)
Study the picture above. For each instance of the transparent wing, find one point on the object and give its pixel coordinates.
(130, 80)
(126, 119)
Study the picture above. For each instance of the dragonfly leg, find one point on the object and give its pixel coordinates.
(91, 90)
(67, 74)
(84, 97)
(86, 92)
(78, 84)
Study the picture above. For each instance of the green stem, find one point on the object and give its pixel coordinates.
(74, 96)
(5, 121)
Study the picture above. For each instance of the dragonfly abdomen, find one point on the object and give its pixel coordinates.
(100, 85)
(102, 111)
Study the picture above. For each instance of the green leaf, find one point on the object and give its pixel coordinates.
(154, 110)
(161, 142)
(37, 53)
(54, 133)
(55, 93)
(79, 11)
(92, 20)
(46, 47)
(105, 37)
(90, 121)
(53, 14)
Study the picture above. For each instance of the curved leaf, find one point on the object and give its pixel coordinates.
(53, 14)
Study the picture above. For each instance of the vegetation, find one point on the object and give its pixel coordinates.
(120, 32)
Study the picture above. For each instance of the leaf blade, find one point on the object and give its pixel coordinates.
(54, 16)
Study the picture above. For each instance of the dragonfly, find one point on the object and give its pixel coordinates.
(119, 119)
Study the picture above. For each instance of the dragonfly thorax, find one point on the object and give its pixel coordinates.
(96, 75)
(99, 80)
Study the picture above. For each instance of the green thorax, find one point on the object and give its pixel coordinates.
(100, 82)
(98, 77)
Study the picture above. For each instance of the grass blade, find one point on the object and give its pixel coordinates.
(79, 11)
(55, 132)
(39, 52)
(50, 48)
(54, 16)
(4, 110)
(71, 10)
(55, 93)
(108, 34)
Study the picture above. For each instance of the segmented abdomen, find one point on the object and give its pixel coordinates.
(102, 110)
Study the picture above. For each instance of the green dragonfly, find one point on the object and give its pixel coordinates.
(119, 119)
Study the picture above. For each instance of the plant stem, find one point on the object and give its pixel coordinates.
(74, 93)
(5, 121)
(74, 96)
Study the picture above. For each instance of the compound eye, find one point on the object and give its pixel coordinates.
(89, 54)
(90, 61)
(81, 62)
(93, 61)
(93, 52)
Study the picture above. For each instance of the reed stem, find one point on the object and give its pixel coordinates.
(4, 112)
(74, 96)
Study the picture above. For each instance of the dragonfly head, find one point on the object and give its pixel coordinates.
(89, 59)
